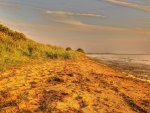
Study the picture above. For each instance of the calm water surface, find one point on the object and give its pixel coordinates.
(137, 65)
(142, 59)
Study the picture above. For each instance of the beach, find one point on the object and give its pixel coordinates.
(74, 86)
(44, 62)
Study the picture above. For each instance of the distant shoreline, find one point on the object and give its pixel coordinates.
(114, 54)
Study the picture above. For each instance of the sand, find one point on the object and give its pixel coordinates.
(71, 86)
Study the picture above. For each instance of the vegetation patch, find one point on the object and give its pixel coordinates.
(55, 79)
(4, 94)
(33, 84)
(7, 104)
(25, 111)
(132, 105)
(16, 48)
(48, 101)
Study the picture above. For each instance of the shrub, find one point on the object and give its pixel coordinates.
(80, 50)
(68, 49)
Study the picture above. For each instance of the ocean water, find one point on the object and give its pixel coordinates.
(137, 65)
(140, 59)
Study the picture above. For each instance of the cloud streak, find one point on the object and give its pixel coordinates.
(10, 5)
(130, 4)
(63, 13)
(80, 26)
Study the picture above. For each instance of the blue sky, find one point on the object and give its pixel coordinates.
(120, 26)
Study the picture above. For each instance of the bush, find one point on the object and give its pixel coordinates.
(68, 49)
(80, 50)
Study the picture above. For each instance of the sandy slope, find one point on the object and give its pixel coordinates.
(80, 86)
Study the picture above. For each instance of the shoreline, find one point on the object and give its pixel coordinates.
(124, 72)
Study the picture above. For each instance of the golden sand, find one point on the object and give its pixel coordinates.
(71, 86)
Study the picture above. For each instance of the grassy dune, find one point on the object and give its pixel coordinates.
(16, 48)
(56, 85)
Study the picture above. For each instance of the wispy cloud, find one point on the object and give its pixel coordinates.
(80, 26)
(63, 13)
(130, 4)
(9, 5)
(70, 24)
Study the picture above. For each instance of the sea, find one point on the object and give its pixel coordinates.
(136, 65)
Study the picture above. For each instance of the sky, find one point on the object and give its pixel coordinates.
(97, 26)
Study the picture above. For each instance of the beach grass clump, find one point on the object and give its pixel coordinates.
(15, 48)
